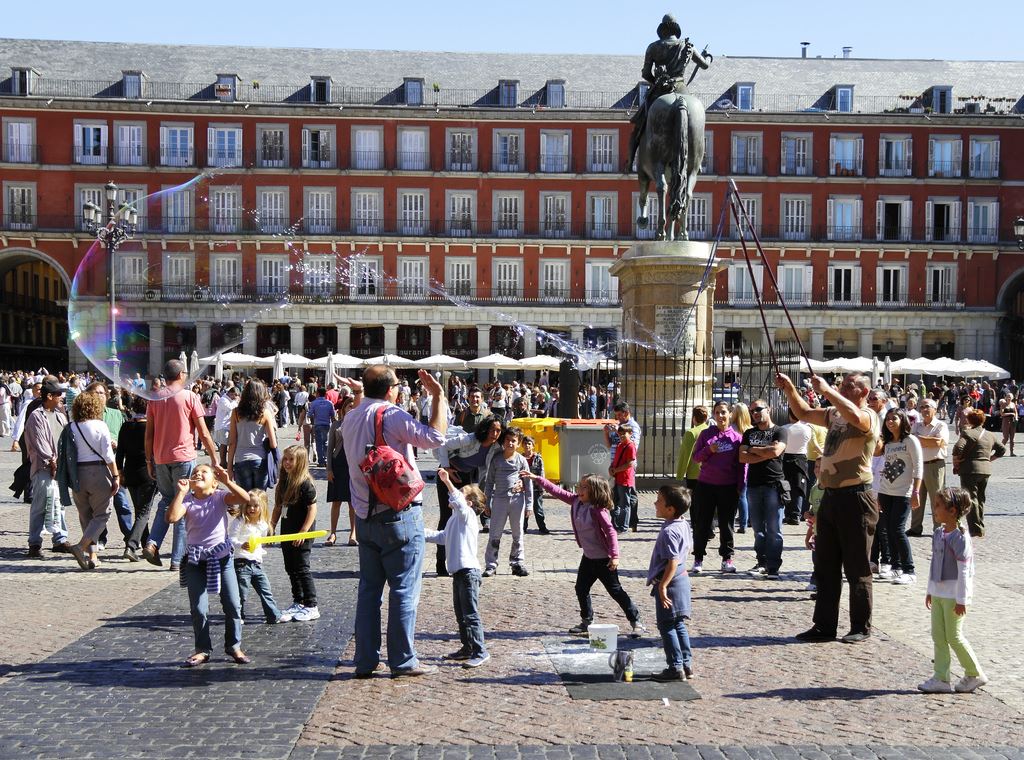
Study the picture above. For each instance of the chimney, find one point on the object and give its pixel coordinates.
(846, 51)
(803, 49)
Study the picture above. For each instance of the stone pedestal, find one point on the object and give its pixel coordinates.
(666, 365)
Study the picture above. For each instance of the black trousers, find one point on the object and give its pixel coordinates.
(593, 570)
(142, 501)
(296, 564)
(710, 500)
(794, 468)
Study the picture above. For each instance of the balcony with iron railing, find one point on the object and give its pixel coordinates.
(944, 168)
(846, 300)
(20, 153)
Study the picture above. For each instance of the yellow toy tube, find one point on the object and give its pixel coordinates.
(252, 543)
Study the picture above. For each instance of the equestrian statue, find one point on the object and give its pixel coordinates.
(668, 130)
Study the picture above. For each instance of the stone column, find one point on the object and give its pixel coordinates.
(156, 348)
(436, 338)
(203, 339)
(391, 338)
(297, 337)
(966, 344)
(249, 338)
(483, 340)
(865, 345)
(576, 334)
(529, 344)
(659, 284)
(915, 343)
(344, 337)
(817, 347)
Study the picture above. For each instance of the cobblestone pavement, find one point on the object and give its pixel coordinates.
(91, 665)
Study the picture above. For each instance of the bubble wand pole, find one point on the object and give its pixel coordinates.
(252, 543)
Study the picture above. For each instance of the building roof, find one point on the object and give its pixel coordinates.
(468, 78)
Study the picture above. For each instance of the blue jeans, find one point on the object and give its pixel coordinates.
(390, 551)
(320, 437)
(743, 510)
(625, 512)
(466, 597)
(167, 477)
(199, 602)
(674, 637)
(125, 516)
(766, 517)
(250, 474)
(46, 510)
(250, 575)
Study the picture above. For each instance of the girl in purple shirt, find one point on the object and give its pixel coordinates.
(718, 487)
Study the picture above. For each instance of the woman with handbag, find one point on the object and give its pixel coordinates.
(251, 434)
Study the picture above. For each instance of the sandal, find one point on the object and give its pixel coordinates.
(352, 541)
(199, 658)
(240, 657)
(332, 539)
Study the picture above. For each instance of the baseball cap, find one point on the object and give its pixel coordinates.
(50, 387)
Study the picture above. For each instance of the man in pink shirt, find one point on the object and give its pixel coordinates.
(174, 418)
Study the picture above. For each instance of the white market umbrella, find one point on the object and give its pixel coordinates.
(341, 361)
(874, 371)
(441, 361)
(906, 366)
(193, 365)
(391, 360)
(232, 359)
(541, 362)
(982, 368)
(329, 369)
(218, 368)
(888, 370)
(293, 360)
(853, 364)
(183, 358)
(278, 365)
(495, 361)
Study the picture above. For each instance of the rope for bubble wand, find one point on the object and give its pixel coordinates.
(775, 282)
(733, 202)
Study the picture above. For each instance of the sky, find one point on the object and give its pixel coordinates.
(873, 28)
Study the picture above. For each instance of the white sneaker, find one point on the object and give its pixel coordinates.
(757, 570)
(638, 630)
(697, 569)
(935, 686)
(884, 574)
(306, 614)
(728, 566)
(904, 579)
(968, 684)
(292, 610)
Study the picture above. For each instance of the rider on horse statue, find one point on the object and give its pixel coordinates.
(664, 68)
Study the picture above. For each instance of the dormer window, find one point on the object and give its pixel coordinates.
(413, 92)
(942, 99)
(844, 98)
(745, 96)
(22, 80)
(226, 87)
(508, 93)
(131, 84)
(555, 93)
(320, 89)
(641, 91)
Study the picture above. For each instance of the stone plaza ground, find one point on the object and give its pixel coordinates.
(90, 662)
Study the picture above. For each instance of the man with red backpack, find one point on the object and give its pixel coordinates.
(391, 539)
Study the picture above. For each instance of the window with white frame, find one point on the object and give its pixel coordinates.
(318, 276)
(320, 89)
(176, 146)
(133, 197)
(412, 149)
(461, 213)
(19, 206)
(746, 153)
(893, 218)
(272, 147)
(95, 196)
(795, 283)
(752, 205)
(554, 281)
(796, 214)
(224, 146)
(984, 157)
(982, 220)
(844, 218)
(601, 210)
(365, 277)
(796, 155)
(319, 206)
(225, 275)
(554, 214)
(317, 148)
(942, 219)
(945, 155)
(413, 276)
(507, 216)
(650, 230)
(19, 145)
(698, 217)
(507, 154)
(271, 209)
(741, 286)
(555, 91)
(846, 155)
(179, 274)
(508, 279)
(707, 163)
(745, 97)
(554, 151)
(412, 212)
(272, 273)
(602, 287)
(129, 146)
(891, 284)
(844, 284)
(178, 211)
(461, 150)
(844, 99)
(225, 209)
(367, 150)
(940, 285)
(131, 274)
(601, 156)
(460, 277)
(366, 212)
(90, 143)
(895, 155)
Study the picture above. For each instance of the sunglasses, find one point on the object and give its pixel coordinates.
(758, 409)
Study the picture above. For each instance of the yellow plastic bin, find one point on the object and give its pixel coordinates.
(582, 450)
(545, 440)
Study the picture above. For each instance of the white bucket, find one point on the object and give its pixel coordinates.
(604, 637)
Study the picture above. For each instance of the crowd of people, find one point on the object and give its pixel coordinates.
(856, 462)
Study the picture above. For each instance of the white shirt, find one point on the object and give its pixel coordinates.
(94, 434)
(241, 530)
(938, 429)
(798, 435)
(224, 409)
(902, 465)
(459, 535)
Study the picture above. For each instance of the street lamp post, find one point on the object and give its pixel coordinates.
(1018, 231)
(118, 226)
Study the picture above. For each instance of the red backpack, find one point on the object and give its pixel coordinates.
(393, 482)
